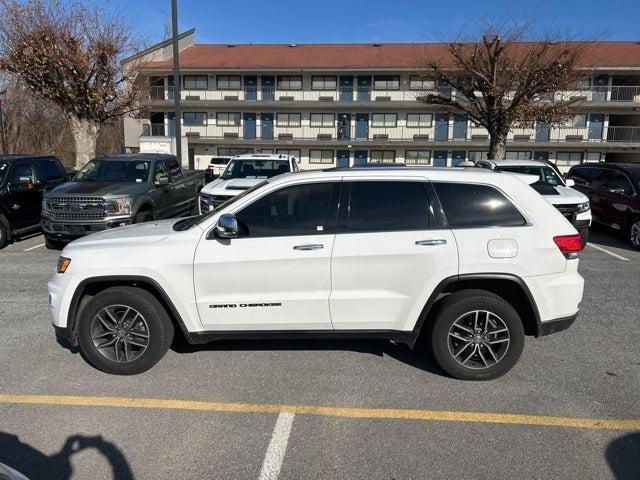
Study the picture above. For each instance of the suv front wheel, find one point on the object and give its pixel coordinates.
(476, 335)
(634, 233)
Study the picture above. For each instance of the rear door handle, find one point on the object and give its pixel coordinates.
(311, 246)
(439, 241)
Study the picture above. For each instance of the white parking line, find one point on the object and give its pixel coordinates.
(277, 447)
(33, 248)
(615, 255)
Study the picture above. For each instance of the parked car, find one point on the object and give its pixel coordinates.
(613, 190)
(118, 190)
(216, 167)
(473, 259)
(553, 188)
(23, 179)
(243, 172)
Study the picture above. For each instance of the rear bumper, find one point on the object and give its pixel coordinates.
(556, 325)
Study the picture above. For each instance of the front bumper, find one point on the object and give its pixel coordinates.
(68, 230)
(66, 337)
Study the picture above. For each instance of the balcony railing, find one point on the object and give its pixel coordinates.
(354, 134)
(367, 94)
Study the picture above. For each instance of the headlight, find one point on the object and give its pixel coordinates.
(63, 264)
(583, 207)
(119, 206)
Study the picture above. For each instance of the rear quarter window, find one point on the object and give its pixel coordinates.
(469, 205)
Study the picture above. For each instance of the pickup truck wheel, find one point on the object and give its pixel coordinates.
(124, 331)
(4, 231)
(143, 216)
(634, 233)
(476, 335)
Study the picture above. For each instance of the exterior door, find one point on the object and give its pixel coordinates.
(542, 132)
(390, 238)
(459, 127)
(600, 84)
(362, 126)
(344, 126)
(360, 157)
(440, 158)
(364, 89)
(249, 129)
(24, 200)
(596, 126)
(442, 127)
(346, 89)
(277, 273)
(250, 87)
(266, 126)
(457, 156)
(342, 158)
(268, 88)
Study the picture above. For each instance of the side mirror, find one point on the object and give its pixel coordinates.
(163, 181)
(226, 227)
(570, 182)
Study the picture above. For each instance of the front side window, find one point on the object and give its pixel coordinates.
(228, 119)
(4, 168)
(174, 168)
(23, 173)
(296, 210)
(468, 205)
(228, 82)
(194, 118)
(388, 206)
(195, 82)
(323, 119)
(384, 119)
(547, 176)
(581, 175)
(321, 156)
(324, 82)
(386, 156)
(419, 119)
(386, 82)
(417, 157)
(288, 119)
(254, 168)
(619, 183)
(49, 168)
(288, 82)
(113, 171)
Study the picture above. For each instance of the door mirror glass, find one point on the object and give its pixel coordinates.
(163, 180)
(226, 227)
(570, 183)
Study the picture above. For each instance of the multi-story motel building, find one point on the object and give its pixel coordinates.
(338, 105)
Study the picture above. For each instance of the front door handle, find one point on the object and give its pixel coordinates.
(439, 241)
(311, 246)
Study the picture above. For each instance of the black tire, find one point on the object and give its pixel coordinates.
(51, 244)
(157, 326)
(455, 308)
(633, 233)
(143, 216)
(4, 231)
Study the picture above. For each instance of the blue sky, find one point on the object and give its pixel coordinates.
(332, 21)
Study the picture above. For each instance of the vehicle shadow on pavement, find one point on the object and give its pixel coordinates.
(418, 357)
(34, 464)
(623, 456)
(609, 238)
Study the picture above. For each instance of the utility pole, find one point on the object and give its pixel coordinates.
(176, 80)
(4, 141)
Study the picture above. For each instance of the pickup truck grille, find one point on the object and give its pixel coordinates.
(568, 210)
(76, 208)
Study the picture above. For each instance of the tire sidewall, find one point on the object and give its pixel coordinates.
(635, 221)
(458, 304)
(4, 232)
(160, 330)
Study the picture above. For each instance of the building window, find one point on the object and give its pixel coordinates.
(324, 83)
(229, 82)
(194, 118)
(517, 156)
(568, 158)
(419, 119)
(321, 156)
(386, 82)
(288, 119)
(228, 118)
(292, 152)
(475, 156)
(384, 120)
(289, 82)
(232, 152)
(421, 83)
(384, 156)
(323, 120)
(417, 157)
(579, 121)
(593, 157)
(195, 82)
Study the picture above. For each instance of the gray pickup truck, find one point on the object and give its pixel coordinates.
(115, 191)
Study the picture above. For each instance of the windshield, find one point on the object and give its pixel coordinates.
(254, 168)
(113, 171)
(546, 175)
(4, 168)
(187, 223)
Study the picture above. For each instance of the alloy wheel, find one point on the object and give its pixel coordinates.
(120, 333)
(478, 339)
(634, 234)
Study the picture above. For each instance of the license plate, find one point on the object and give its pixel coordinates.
(76, 230)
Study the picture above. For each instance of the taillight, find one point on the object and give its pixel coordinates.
(569, 245)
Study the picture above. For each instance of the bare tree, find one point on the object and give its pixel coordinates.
(499, 80)
(70, 54)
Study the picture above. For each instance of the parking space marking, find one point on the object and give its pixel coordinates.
(33, 248)
(277, 447)
(347, 412)
(600, 249)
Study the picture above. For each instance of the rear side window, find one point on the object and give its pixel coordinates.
(50, 169)
(471, 206)
(174, 168)
(388, 206)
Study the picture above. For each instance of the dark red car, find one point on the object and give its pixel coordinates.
(614, 193)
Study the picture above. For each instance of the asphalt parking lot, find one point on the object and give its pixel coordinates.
(355, 410)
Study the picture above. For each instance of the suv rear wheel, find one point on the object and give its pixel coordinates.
(4, 231)
(634, 233)
(124, 331)
(476, 335)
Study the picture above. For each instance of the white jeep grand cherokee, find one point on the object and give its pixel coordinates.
(471, 259)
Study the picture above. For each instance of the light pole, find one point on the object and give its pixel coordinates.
(4, 142)
(176, 80)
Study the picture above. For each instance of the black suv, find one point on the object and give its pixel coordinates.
(614, 194)
(23, 179)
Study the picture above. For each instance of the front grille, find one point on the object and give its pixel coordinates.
(568, 210)
(76, 208)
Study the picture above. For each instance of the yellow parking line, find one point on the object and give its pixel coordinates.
(347, 412)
